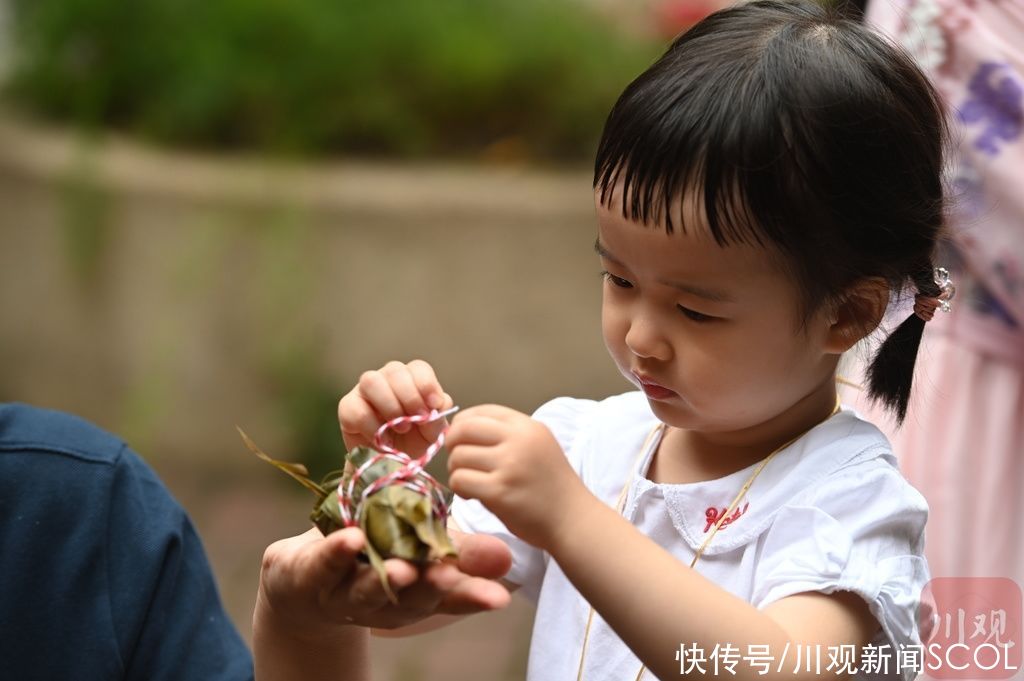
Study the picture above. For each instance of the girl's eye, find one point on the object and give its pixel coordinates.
(617, 281)
(694, 315)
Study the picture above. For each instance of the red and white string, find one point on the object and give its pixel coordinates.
(412, 474)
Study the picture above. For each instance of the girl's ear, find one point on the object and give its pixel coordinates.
(857, 313)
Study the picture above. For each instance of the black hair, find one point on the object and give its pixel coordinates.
(800, 130)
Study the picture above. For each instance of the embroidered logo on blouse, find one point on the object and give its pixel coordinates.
(713, 514)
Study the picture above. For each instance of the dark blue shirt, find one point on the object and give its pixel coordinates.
(102, 575)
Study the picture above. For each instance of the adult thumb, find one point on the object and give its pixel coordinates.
(329, 560)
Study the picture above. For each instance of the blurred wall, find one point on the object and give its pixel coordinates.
(145, 290)
(168, 297)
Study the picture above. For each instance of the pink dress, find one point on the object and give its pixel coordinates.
(962, 444)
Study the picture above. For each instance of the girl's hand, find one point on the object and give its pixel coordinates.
(312, 586)
(394, 390)
(516, 468)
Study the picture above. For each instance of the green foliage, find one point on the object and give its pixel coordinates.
(289, 351)
(403, 77)
(308, 405)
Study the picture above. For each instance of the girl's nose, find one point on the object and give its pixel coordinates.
(645, 340)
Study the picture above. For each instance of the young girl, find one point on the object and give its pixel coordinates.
(762, 191)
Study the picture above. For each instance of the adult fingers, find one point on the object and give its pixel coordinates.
(422, 598)
(474, 594)
(454, 588)
(366, 592)
(482, 555)
(309, 563)
(327, 561)
(444, 589)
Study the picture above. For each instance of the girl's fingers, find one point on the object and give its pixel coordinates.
(471, 457)
(403, 386)
(395, 390)
(428, 386)
(475, 428)
(357, 419)
(469, 483)
(375, 388)
(432, 430)
(492, 411)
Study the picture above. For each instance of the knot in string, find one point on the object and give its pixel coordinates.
(412, 473)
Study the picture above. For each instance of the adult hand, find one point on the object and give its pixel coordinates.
(313, 584)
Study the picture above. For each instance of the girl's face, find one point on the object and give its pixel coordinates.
(710, 334)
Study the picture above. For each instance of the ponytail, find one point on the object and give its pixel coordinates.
(891, 373)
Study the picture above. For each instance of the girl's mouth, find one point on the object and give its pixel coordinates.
(652, 389)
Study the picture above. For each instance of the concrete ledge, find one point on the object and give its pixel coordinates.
(203, 270)
(44, 152)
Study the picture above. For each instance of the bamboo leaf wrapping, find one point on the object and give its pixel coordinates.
(398, 522)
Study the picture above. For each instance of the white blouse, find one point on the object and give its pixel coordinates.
(831, 512)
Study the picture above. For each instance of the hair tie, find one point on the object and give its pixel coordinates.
(925, 306)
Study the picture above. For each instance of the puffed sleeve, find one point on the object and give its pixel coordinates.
(563, 416)
(860, 530)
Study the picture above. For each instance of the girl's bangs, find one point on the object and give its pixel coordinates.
(697, 143)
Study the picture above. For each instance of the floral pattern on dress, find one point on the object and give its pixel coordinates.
(995, 102)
